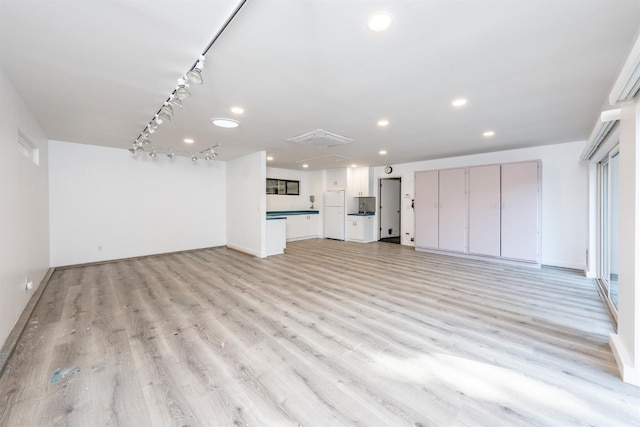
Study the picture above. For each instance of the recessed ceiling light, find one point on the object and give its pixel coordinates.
(237, 110)
(269, 158)
(382, 123)
(225, 123)
(488, 133)
(382, 152)
(188, 140)
(305, 165)
(459, 102)
(379, 21)
(354, 165)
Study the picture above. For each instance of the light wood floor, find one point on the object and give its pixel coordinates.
(331, 333)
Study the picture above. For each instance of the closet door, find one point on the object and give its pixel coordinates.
(453, 210)
(521, 211)
(484, 210)
(426, 209)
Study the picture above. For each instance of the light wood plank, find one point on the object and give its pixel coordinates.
(330, 333)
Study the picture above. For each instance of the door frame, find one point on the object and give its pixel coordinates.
(380, 201)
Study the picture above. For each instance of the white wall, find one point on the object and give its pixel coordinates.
(107, 204)
(24, 208)
(564, 196)
(277, 202)
(247, 204)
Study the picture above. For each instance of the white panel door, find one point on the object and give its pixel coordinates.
(484, 210)
(520, 211)
(426, 209)
(452, 212)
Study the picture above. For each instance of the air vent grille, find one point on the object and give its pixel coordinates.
(320, 138)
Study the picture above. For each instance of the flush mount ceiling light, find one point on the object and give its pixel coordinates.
(354, 165)
(188, 140)
(379, 21)
(237, 110)
(488, 134)
(195, 74)
(382, 152)
(270, 158)
(383, 123)
(225, 123)
(460, 102)
(305, 165)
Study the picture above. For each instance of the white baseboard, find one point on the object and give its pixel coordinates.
(629, 371)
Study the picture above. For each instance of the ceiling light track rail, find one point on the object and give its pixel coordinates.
(179, 94)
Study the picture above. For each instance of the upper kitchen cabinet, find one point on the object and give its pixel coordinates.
(358, 182)
(336, 179)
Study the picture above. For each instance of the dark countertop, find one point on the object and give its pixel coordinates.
(362, 214)
(283, 213)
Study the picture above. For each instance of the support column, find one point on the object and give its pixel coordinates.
(626, 342)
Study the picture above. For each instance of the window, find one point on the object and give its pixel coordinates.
(608, 220)
(283, 186)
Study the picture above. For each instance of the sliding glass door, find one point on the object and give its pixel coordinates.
(609, 205)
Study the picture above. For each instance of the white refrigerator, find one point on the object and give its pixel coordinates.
(334, 215)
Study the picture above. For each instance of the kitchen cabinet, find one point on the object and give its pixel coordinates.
(426, 209)
(358, 182)
(484, 210)
(360, 228)
(336, 179)
(302, 226)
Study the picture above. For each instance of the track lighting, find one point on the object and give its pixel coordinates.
(171, 155)
(152, 154)
(194, 157)
(182, 90)
(195, 75)
(207, 157)
(133, 150)
(153, 126)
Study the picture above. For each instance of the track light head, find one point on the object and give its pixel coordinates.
(133, 150)
(182, 90)
(152, 154)
(194, 158)
(171, 155)
(195, 75)
(163, 117)
(166, 108)
(175, 101)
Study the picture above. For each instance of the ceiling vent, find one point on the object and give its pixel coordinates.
(320, 138)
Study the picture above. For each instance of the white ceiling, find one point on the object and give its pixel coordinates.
(535, 72)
